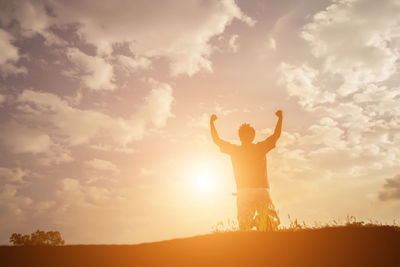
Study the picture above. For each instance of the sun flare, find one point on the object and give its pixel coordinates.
(204, 181)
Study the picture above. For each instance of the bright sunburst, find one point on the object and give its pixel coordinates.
(205, 181)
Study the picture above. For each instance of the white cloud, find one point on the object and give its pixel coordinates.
(158, 103)
(76, 125)
(177, 31)
(102, 147)
(326, 135)
(344, 62)
(19, 138)
(349, 70)
(362, 58)
(203, 121)
(272, 43)
(102, 165)
(301, 82)
(94, 71)
(233, 43)
(345, 82)
(75, 194)
(132, 64)
(49, 125)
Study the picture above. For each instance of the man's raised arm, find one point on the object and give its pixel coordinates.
(269, 143)
(224, 146)
(214, 133)
(278, 128)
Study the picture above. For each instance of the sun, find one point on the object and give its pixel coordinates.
(204, 181)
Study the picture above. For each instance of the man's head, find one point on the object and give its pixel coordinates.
(246, 133)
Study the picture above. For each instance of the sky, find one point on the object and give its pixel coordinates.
(105, 105)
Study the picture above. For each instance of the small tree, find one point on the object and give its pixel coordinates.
(19, 240)
(38, 238)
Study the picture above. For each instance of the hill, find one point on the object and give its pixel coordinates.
(340, 246)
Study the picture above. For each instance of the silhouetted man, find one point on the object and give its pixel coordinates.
(250, 169)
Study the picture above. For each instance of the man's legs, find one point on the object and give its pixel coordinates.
(267, 218)
(251, 200)
(245, 209)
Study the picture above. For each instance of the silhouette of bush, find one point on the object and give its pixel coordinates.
(38, 238)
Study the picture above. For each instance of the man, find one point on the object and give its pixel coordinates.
(250, 170)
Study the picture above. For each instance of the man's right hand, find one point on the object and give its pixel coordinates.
(279, 113)
(213, 118)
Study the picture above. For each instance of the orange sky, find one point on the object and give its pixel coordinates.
(105, 107)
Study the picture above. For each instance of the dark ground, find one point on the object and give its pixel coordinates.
(341, 246)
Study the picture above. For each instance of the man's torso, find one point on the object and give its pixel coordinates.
(250, 166)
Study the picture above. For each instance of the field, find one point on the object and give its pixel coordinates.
(331, 246)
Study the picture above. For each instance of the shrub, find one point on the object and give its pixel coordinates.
(38, 238)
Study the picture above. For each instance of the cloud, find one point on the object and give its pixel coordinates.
(391, 189)
(77, 126)
(10, 52)
(90, 202)
(345, 81)
(43, 206)
(130, 64)
(102, 147)
(362, 58)
(324, 133)
(170, 29)
(75, 194)
(346, 63)
(12, 204)
(272, 43)
(102, 165)
(233, 43)
(158, 103)
(21, 139)
(31, 16)
(9, 56)
(13, 175)
(94, 71)
(48, 125)
(15, 208)
(180, 33)
(203, 121)
(301, 82)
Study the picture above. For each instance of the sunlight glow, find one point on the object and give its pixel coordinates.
(205, 181)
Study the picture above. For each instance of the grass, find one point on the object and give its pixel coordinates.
(295, 225)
